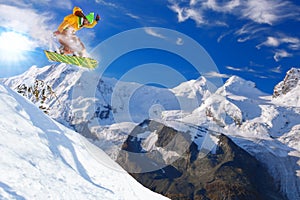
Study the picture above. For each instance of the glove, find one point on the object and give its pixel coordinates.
(97, 18)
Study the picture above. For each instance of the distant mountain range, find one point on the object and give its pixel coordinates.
(265, 128)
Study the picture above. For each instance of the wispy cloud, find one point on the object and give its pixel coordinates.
(293, 42)
(279, 54)
(259, 17)
(277, 70)
(249, 31)
(270, 42)
(242, 69)
(224, 7)
(105, 3)
(268, 12)
(214, 74)
(220, 38)
(133, 16)
(153, 33)
(234, 68)
(282, 42)
(261, 12)
(184, 13)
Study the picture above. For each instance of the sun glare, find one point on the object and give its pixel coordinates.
(14, 46)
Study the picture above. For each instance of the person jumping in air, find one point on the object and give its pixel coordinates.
(70, 43)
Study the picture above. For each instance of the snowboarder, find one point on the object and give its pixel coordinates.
(70, 43)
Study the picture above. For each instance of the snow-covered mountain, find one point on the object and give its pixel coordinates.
(42, 159)
(107, 111)
(265, 127)
(92, 105)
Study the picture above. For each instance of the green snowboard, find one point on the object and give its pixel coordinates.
(73, 60)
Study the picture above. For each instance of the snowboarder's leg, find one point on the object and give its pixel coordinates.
(71, 44)
(79, 47)
(65, 42)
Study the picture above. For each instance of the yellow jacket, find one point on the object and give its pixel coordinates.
(72, 20)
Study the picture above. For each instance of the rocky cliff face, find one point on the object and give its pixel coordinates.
(290, 82)
(228, 173)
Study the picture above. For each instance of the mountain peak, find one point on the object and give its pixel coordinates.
(238, 81)
(194, 89)
(239, 86)
(290, 81)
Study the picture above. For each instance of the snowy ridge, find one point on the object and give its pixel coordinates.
(46, 160)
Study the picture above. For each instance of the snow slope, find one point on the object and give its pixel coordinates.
(41, 159)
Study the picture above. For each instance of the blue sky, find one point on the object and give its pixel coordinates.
(257, 40)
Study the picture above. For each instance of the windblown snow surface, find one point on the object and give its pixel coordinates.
(41, 159)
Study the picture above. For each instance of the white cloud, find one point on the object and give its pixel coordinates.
(277, 69)
(243, 69)
(188, 13)
(27, 21)
(295, 46)
(270, 42)
(233, 68)
(261, 76)
(105, 3)
(224, 7)
(221, 37)
(132, 16)
(279, 54)
(292, 42)
(250, 30)
(243, 39)
(195, 15)
(266, 11)
(260, 12)
(193, 2)
(214, 74)
(152, 32)
(179, 11)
